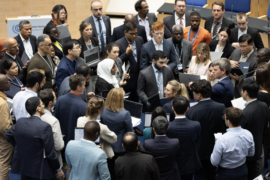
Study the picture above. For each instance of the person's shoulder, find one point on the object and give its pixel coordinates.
(146, 70)
(147, 44)
(139, 38)
(105, 17)
(187, 42)
(204, 31)
(186, 29)
(151, 15)
(168, 18)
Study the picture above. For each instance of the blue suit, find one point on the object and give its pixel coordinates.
(223, 91)
(148, 50)
(93, 167)
(65, 68)
(187, 132)
(119, 123)
(34, 140)
(164, 150)
(68, 109)
(168, 109)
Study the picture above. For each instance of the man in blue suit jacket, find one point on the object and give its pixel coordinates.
(34, 155)
(187, 132)
(68, 64)
(223, 90)
(164, 150)
(157, 43)
(70, 107)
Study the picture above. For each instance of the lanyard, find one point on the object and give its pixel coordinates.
(179, 57)
(194, 35)
(18, 82)
(50, 66)
(197, 69)
(88, 46)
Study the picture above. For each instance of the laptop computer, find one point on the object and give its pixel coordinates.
(134, 108)
(187, 78)
(147, 118)
(91, 56)
(215, 55)
(64, 34)
(13, 90)
(79, 132)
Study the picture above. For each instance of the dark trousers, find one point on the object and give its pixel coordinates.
(29, 178)
(111, 163)
(187, 177)
(239, 173)
(207, 172)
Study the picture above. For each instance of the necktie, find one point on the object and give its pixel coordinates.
(181, 22)
(160, 85)
(101, 36)
(118, 76)
(215, 29)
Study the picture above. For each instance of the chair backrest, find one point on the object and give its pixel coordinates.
(199, 3)
(237, 6)
(268, 12)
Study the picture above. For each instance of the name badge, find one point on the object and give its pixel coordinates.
(53, 81)
(179, 66)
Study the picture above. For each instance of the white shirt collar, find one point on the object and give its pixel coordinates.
(247, 56)
(14, 57)
(156, 43)
(222, 78)
(180, 117)
(243, 32)
(176, 17)
(24, 39)
(140, 19)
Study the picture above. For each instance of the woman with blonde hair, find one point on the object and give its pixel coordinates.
(172, 89)
(199, 64)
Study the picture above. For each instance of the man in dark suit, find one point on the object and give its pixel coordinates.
(146, 166)
(157, 43)
(209, 114)
(242, 23)
(214, 23)
(101, 24)
(34, 145)
(165, 157)
(130, 52)
(144, 18)
(180, 17)
(256, 118)
(223, 90)
(26, 40)
(183, 48)
(154, 78)
(118, 32)
(188, 132)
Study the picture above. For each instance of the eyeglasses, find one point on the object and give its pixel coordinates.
(133, 34)
(15, 47)
(157, 34)
(183, 6)
(63, 13)
(77, 47)
(48, 44)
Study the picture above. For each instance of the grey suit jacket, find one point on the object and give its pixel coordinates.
(151, 18)
(119, 65)
(147, 83)
(187, 53)
(107, 23)
(236, 55)
(80, 61)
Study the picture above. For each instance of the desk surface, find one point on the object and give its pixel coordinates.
(259, 24)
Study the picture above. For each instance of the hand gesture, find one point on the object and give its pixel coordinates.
(129, 50)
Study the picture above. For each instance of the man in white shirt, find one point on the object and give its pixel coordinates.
(35, 82)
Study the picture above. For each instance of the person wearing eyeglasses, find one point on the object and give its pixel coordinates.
(59, 15)
(68, 64)
(42, 60)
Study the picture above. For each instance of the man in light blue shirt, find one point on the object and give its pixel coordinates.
(232, 148)
(85, 158)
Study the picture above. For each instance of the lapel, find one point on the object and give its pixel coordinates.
(153, 75)
(165, 46)
(136, 19)
(185, 50)
(33, 44)
(68, 65)
(21, 43)
(93, 26)
(172, 21)
(250, 58)
(105, 22)
(152, 48)
(164, 76)
(150, 21)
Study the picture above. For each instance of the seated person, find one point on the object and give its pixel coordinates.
(11, 69)
(199, 64)
(222, 44)
(210, 76)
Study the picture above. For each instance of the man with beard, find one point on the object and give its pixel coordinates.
(35, 82)
(153, 78)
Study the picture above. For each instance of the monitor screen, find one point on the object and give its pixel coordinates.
(13, 89)
(134, 108)
(147, 119)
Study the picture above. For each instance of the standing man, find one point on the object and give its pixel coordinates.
(26, 40)
(214, 23)
(243, 28)
(33, 141)
(101, 24)
(157, 43)
(180, 17)
(154, 78)
(130, 52)
(232, 148)
(256, 118)
(194, 33)
(183, 48)
(263, 55)
(144, 18)
(6, 148)
(209, 114)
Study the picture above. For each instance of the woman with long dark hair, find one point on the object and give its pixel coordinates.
(59, 15)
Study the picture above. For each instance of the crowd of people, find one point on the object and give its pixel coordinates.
(58, 93)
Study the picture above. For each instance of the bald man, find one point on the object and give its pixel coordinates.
(95, 165)
(6, 148)
(12, 51)
(183, 48)
(118, 32)
(263, 55)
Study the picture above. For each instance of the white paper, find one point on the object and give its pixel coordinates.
(78, 134)
(193, 104)
(135, 121)
(260, 177)
(239, 103)
(215, 55)
(203, 77)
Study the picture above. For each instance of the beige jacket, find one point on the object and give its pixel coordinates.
(5, 117)
(107, 137)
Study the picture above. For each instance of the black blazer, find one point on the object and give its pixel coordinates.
(168, 109)
(33, 41)
(102, 86)
(252, 32)
(118, 33)
(58, 52)
(129, 59)
(225, 23)
(147, 83)
(227, 51)
(164, 150)
(94, 42)
(107, 22)
(169, 22)
(255, 119)
(209, 114)
(32, 138)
